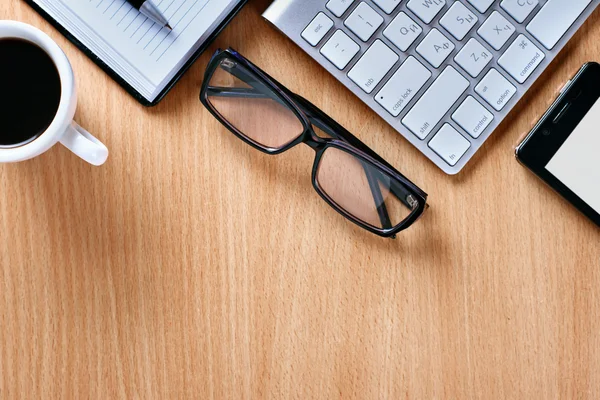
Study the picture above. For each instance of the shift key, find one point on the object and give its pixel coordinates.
(436, 102)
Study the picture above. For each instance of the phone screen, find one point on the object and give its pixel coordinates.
(577, 162)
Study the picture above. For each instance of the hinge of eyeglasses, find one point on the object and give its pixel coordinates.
(227, 64)
(412, 201)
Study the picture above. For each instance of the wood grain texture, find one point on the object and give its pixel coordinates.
(191, 266)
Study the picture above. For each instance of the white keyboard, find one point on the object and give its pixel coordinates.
(443, 73)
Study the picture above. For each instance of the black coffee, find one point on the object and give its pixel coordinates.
(29, 92)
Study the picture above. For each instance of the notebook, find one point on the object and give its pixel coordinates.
(142, 56)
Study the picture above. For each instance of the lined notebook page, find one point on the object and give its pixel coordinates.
(153, 50)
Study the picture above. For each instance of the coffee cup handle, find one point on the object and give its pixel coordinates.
(84, 145)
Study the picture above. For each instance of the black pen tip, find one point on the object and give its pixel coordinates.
(169, 27)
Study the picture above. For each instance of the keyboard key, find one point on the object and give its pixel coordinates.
(339, 7)
(403, 86)
(340, 49)
(481, 5)
(555, 19)
(426, 10)
(496, 30)
(402, 31)
(496, 90)
(459, 20)
(435, 48)
(435, 103)
(317, 29)
(449, 144)
(388, 6)
(364, 21)
(473, 58)
(472, 117)
(521, 59)
(519, 9)
(377, 61)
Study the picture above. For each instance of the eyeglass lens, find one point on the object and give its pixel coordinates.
(362, 190)
(251, 107)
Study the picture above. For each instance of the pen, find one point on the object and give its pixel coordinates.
(150, 11)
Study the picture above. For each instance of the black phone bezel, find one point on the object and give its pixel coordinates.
(550, 133)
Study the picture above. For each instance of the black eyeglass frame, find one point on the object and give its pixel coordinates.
(310, 115)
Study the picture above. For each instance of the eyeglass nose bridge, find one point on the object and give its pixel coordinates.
(314, 141)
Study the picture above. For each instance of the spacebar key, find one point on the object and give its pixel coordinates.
(435, 103)
(555, 19)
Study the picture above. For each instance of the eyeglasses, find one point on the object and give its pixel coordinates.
(347, 174)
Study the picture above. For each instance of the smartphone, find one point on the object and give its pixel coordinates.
(563, 149)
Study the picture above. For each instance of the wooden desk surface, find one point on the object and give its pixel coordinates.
(191, 266)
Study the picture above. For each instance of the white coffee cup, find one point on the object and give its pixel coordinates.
(62, 128)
